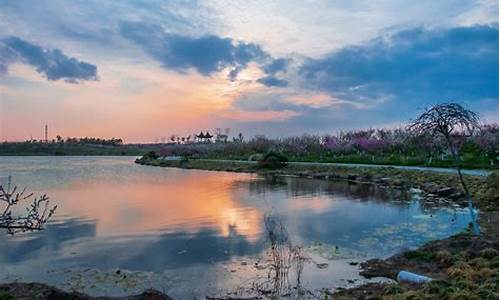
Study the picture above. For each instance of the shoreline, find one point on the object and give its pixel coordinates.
(441, 187)
(467, 168)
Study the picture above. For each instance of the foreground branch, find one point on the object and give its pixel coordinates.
(35, 216)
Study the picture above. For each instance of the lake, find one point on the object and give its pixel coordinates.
(121, 227)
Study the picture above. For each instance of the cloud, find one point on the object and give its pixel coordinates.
(52, 63)
(273, 81)
(384, 81)
(276, 65)
(205, 54)
(414, 65)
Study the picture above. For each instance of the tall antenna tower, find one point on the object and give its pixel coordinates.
(46, 133)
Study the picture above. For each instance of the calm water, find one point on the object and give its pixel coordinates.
(122, 227)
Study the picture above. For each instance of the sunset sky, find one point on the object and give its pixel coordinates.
(141, 70)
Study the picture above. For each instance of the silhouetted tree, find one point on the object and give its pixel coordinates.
(450, 120)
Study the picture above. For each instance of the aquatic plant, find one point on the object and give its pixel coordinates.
(286, 262)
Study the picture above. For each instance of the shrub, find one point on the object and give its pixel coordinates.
(255, 157)
(272, 161)
(150, 155)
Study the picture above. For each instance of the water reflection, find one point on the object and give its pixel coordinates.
(177, 250)
(171, 225)
(53, 239)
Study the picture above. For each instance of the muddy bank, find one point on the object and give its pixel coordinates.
(38, 291)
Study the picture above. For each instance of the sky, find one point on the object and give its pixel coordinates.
(143, 70)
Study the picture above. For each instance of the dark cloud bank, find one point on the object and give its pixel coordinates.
(394, 76)
(52, 63)
(413, 65)
(206, 54)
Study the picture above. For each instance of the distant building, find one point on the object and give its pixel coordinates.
(204, 138)
(46, 133)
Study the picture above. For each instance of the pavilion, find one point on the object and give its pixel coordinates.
(204, 138)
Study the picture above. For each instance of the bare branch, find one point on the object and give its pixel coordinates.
(37, 213)
(452, 121)
(445, 119)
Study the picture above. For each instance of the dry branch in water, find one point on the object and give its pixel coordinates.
(36, 214)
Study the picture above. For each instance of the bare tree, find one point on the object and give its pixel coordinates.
(36, 215)
(450, 120)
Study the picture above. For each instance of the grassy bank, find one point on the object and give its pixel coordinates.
(467, 162)
(463, 266)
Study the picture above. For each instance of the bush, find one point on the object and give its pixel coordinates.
(272, 161)
(255, 157)
(150, 155)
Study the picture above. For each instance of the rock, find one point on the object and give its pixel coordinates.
(319, 176)
(322, 265)
(352, 177)
(384, 180)
(415, 191)
(398, 182)
(456, 196)
(444, 192)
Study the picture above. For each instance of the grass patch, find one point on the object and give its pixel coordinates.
(419, 255)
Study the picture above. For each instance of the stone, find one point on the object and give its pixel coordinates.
(415, 191)
(444, 192)
(352, 177)
(322, 265)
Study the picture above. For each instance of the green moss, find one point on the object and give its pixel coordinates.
(489, 253)
(6, 296)
(419, 255)
(393, 289)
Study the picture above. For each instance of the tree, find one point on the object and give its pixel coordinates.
(37, 214)
(450, 120)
